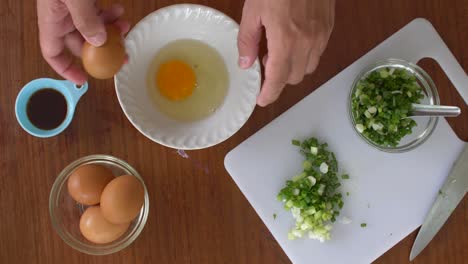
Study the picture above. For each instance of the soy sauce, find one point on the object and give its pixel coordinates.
(46, 109)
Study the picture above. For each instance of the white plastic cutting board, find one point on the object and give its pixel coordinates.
(390, 192)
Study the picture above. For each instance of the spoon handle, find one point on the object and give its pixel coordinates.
(435, 110)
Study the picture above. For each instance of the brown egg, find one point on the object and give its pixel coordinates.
(122, 199)
(86, 183)
(105, 61)
(95, 228)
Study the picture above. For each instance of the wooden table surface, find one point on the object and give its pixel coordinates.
(197, 213)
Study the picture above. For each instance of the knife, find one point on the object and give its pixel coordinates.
(449, 196)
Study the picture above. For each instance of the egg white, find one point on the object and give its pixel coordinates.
(211, 80)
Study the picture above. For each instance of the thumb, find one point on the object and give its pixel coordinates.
(250, 33)
(86, 19)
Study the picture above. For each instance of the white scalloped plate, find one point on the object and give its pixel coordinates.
(185, 22)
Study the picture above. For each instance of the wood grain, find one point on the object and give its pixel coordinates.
(197, 213)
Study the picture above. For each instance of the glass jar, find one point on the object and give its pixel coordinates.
(425, 125)
(65, 213)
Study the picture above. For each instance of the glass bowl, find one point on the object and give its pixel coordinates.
(65, 213)
(425, 125)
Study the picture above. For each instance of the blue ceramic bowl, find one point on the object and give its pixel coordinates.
(69, 90)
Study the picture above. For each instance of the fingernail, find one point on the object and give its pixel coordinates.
(244, 62)
(98, 40)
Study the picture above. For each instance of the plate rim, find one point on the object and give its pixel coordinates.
(218, 139)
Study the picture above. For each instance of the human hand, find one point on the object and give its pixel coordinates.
(297, 33)
(66, 24)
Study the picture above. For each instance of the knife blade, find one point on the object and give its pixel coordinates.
(449, 197)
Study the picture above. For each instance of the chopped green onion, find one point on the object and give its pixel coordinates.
(312, 180)
(313, 150)
(383, 73)
(312, 196)
(360, 128)
(321, 189)
(306, 165)
(345, 176)
(363, 225)
(296, 192)
(274, 216)
(324, 168)
(296, 142)
(382, 103)
(368, 114)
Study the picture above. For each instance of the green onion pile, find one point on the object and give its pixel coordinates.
(312, 196)
(381, 105)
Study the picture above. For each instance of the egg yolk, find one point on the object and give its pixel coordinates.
(175, 80)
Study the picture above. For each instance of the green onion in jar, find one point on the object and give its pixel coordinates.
(382, 103)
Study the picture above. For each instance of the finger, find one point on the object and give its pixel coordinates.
(275, 79)
(63, 65)
(265, 60)
(74, 42)
(313, 62)
(123, 26)
(277, 70)
(299, 65)
(53, 51)
(54, 21)
(111, 14)
(315, 53)
(87, 21)
(250, 33)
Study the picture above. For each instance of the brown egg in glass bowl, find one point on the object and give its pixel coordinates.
(65, 212)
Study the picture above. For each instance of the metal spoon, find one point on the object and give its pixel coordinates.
(434, 110)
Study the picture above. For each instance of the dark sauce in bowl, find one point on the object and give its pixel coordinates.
(47, 109)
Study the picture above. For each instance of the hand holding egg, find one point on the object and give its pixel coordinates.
(86, 22)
